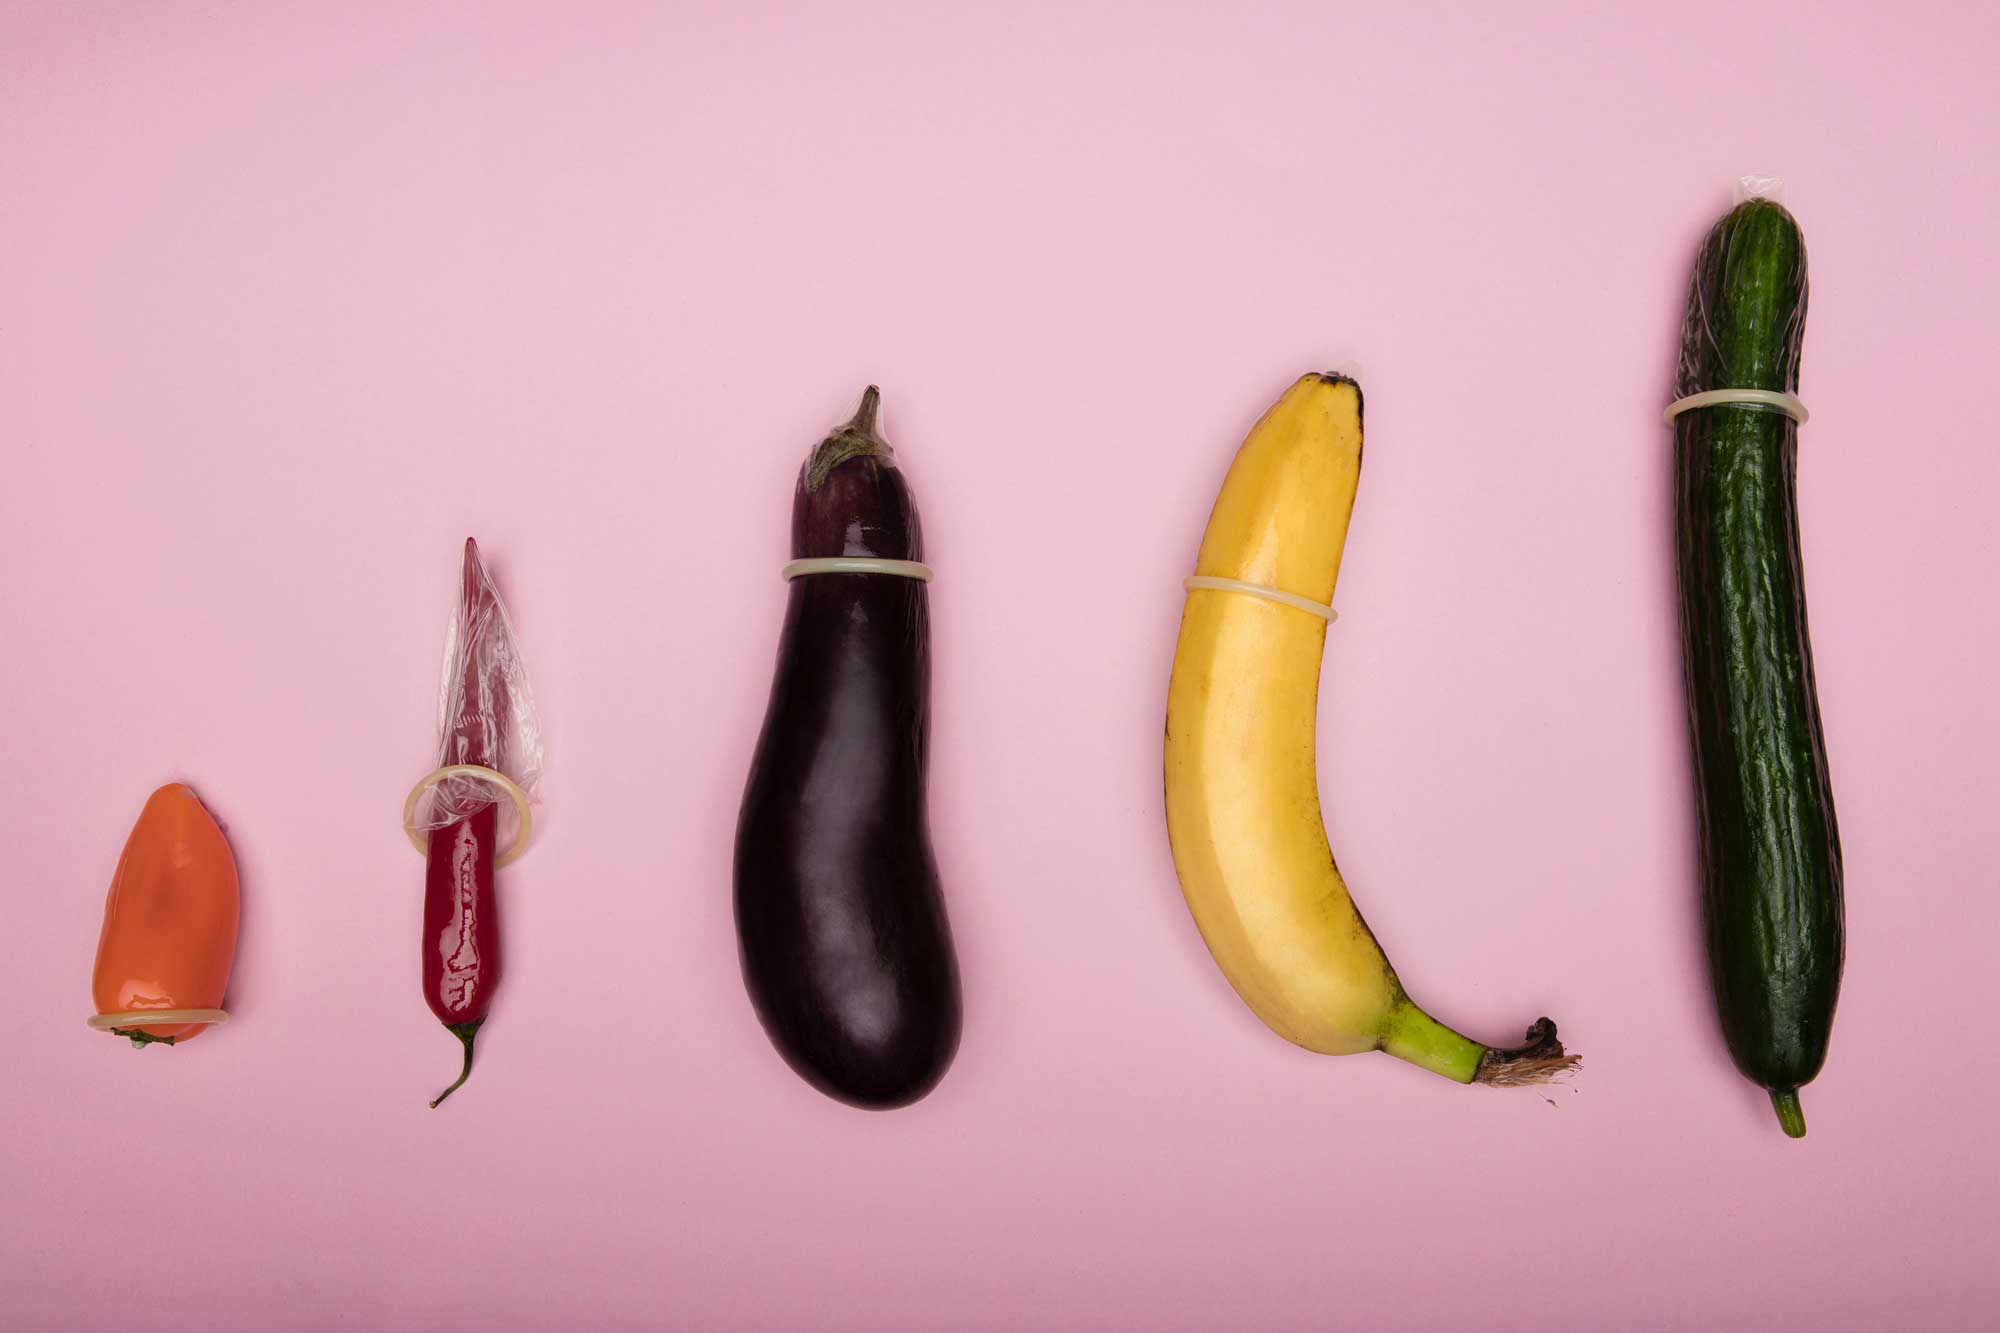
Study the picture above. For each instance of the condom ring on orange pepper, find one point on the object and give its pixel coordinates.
(483, 774)
(138, 1018)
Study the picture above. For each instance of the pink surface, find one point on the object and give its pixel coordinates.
(278, 280)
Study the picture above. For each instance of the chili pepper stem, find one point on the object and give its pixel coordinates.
(465, 1033)
(141, 1038)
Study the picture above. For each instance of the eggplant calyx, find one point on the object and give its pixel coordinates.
(858, 438)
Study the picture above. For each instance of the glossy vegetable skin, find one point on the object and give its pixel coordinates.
(461, 942)
(845, 949)
(169, 937)
(1770, 849)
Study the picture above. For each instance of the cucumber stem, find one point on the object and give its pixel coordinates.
(141, 1038)
(1790, 1114)
(465, 1033)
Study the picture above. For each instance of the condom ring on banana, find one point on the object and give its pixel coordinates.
(1269, 594)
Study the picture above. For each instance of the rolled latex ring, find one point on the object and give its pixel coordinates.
(498, 779)
(1783, 402)
(146, 1018)
(1269, 594)
(858, 564)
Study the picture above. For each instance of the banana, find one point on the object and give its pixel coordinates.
(1242, 790)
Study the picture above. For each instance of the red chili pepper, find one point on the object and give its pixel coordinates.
(461, 932)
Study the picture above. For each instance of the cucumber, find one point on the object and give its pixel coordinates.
(1770, 851)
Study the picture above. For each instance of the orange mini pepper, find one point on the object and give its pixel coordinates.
(169, 924)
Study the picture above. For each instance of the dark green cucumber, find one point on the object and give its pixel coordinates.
(1770, 852)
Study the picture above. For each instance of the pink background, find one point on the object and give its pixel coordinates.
(278, 280)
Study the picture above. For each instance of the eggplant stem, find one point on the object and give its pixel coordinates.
(864, 416)
(465, 1033)
(858, 438)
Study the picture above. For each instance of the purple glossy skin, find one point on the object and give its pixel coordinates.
(846, 951)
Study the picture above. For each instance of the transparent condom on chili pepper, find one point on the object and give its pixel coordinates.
(498, 709)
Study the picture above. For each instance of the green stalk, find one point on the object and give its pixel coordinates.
(1415, 1036)
(1790, 1114)
(141, 1038)
(465, 1033)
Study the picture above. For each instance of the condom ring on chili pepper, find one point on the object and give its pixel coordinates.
(482, 774)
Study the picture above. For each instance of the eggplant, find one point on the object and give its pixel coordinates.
(840, 918)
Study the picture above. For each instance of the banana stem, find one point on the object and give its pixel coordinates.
(1415, 1036)
(1540, 1060)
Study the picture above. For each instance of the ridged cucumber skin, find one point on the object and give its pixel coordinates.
(1769, 845)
